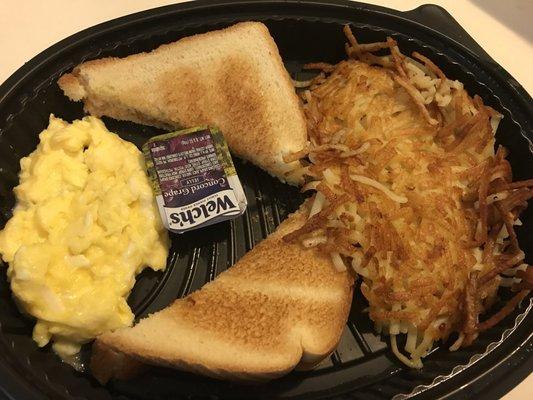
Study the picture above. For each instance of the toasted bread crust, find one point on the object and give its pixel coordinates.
(280, 307)
(107, 363)
(232, 78)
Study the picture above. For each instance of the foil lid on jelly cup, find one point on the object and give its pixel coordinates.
(194, 179)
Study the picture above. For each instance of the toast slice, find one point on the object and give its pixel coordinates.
(232, 78)
(281, 306)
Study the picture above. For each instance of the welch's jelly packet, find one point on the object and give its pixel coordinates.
(194, 179)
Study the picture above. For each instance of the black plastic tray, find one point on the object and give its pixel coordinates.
(362, 367)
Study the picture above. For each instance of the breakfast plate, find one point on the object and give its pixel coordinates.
(362, 366)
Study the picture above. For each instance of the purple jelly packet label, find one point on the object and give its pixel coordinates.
(193, 178)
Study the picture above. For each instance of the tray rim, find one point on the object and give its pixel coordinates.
(464, 41)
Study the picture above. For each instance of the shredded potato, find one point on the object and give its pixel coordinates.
(412, 196)
(375, 184)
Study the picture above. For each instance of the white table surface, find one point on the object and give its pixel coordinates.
(504, 28)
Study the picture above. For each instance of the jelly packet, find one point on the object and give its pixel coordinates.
(194, 179)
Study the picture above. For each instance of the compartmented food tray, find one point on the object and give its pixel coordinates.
(362, 366)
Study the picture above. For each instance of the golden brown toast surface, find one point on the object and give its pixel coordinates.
(279, 307)
(233, 79)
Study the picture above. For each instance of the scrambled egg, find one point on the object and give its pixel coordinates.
(84, 225)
